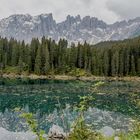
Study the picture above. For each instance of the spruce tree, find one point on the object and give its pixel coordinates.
(20, 65)
(106, 64)
(38, 65)
(133, 68)
(138, 67)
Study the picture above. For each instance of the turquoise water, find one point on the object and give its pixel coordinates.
(50, 100)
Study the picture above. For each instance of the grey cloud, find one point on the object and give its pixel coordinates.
(87, 2)
(107, 10)
(125, 9)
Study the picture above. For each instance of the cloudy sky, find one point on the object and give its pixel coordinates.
(107, 10)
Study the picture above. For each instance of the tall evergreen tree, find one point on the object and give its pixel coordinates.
(133, 68)
(38, 65)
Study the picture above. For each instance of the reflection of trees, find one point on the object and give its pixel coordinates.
(41, 95)
(125, 103)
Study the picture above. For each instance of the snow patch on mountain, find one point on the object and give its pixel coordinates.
(74, 29)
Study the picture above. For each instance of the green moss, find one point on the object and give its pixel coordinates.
(10, 69)
(78, 72)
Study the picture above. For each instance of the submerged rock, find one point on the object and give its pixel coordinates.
(56, 133)
(107, 131)
(116, 138)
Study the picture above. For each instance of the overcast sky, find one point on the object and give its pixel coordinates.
(107, 10)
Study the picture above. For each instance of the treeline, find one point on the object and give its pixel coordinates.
(114, 58)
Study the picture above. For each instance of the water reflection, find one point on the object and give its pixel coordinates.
(11, 121)
(47, 99)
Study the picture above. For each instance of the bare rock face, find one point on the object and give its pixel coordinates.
(56, 133)
(74, 29)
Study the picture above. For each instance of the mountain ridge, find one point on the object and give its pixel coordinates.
(74, 28)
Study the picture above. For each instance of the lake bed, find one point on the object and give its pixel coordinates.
(115, 103)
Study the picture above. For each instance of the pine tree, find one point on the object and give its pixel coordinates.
(34, 47)
(52, 53)
(132, 69)
(45, 58)
(138, 67)
(106, 64)
(38, 62)
(80, 59)
(121, 63)
(127, 62)
(15, 55)
(20, 65)
(115, 63)
(73, 56)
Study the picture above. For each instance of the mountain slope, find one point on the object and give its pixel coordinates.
(74, 29)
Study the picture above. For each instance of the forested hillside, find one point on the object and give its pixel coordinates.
(114, 58)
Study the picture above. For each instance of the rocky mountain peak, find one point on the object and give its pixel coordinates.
(74, 28)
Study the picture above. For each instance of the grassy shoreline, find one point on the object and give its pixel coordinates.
(67, 77)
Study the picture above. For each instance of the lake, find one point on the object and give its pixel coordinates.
(116, 103)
